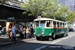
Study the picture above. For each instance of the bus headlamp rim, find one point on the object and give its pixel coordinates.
(34, 33)
(42, 33)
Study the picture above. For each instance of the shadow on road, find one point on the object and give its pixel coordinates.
(22, 45)
(35, 46)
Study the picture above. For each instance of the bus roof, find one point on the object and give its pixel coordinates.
(41, 19)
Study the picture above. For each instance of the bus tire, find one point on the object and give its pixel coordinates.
(65, 34)
(41, 38)
(53, 36)
(50, 39)
(38, 38)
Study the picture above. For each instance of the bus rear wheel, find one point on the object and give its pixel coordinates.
(52, 37)
(65, 34)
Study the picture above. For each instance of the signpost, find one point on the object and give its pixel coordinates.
(39, 17)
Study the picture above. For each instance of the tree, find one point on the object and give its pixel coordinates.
(1, 2)
(40, 7)
(45, 8)
(70, 17)
(61, 13)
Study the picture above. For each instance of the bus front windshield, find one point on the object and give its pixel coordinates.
(41, 24)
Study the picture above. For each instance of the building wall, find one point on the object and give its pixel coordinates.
(62, 2)
(14, 2)
(69, 3)
(6, 12)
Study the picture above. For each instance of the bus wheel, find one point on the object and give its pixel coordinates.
(38, 38)
(41, 38)
(53, 36)
(50, 39)
(65, 34)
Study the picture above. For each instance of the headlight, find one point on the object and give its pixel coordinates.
(42, 33)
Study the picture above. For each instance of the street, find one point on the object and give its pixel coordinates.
(22, 20)
(32, 44)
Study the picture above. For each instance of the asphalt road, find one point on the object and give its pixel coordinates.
(62, 43)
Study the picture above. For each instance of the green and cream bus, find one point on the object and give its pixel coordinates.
(49, 28)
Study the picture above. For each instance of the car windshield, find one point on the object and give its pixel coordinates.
(42, 23)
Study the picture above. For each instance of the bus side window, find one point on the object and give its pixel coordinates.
(57, 24)
(60, 24)
(54, 24)
(63, 24)
(48, 24)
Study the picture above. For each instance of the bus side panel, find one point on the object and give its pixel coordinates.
(65, 30)
(55, 30)
(48, 31)
(59, 30)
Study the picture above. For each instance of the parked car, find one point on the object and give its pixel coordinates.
(2, 30)
(71, 30)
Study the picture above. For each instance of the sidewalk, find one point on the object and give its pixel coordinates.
(4, 40)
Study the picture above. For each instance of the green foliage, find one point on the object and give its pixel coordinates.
(70, 17)
(61, 13)
(1, 2)
(40, 7)
(45, 8)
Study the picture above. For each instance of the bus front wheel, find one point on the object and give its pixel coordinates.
(50, 39)
(38, 38)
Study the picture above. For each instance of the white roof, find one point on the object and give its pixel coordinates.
(41, 19)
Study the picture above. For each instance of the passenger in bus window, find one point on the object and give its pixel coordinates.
(49, 25)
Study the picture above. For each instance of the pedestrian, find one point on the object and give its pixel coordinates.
(0, 29)
(24, 30)
(10, 34)
(21, 32)
(32, 30)
(27, 32)
(14, 32)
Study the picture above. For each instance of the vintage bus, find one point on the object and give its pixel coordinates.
(49, 28)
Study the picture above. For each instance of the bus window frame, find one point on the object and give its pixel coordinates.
(50, 23)
(55, 24)
(65, 25)
(39, 23)
(35, 24)
(58, 23)
(61, 24)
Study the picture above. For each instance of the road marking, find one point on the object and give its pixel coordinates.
(61, 39)
(41, 47)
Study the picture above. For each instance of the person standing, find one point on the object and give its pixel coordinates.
(32, 30)
(24, 30)
(14, 32)
(21, 32)
(27, 32)
(0, 29)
